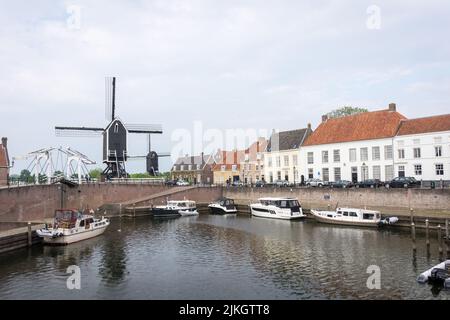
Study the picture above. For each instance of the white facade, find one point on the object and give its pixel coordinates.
(424, 156)
(353, 161)
(282, 165)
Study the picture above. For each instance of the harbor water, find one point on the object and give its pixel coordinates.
(224, 257)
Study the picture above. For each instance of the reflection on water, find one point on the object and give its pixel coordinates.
(223, 257)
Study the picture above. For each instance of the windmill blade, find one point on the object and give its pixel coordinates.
(163, 154)
(110, 98)
(78, 131)
(144, 128)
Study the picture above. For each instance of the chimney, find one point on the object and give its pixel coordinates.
(324, 118)
(257, 146)
(309, 126)
(392, 107)
(203, 158)
(5, 142)
(235, 157)
(224, 157)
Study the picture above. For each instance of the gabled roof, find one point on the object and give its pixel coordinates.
(260, 145)
(425, 125)
(363, 126)
(288, 140)
(187, 160)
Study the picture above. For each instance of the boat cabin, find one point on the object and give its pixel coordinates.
(284, 203)
(182, 204)
(66, 218)
(225, 202)
(358, 213)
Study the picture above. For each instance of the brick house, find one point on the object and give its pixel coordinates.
(4, 162)
(194, 169)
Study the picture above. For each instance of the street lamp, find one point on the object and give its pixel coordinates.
(294, 176)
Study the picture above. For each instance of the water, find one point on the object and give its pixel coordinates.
(223, 257)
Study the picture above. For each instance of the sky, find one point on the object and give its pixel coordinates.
(213, 66)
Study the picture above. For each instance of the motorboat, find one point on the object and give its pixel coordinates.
(223, 206)
(353, 217)
(175, 208)
(277, 208)
(70, 225)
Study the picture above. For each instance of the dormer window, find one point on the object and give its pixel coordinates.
(116, 128)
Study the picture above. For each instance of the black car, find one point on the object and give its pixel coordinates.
(171, 182)
(341, 184)
(370, 183)
(403, 182)
(259, 183)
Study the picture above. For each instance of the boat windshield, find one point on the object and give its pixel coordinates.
(282, 203)
(66, 218)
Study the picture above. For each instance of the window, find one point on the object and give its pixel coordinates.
(271, 177)
(352, 155)
(234, 167)
(353, 214)
(337, 174)
(389, 172)
(286, 161)
(437, 139)
(438, 151)
(375, 153)
(190, 167)
(337, 155)
(439, 169)
(310, 157)
(387, 152)
(325, 174)
(294, 160)
(223, 167)
(364, 154)
(116, 128)
(279, 175)
(278, 160)
(296, 174)
(182, 167)
(324, 156)
(401, 153)
(310, 173)
(376, 172)
(416, 152)
(418, 169)
(256, 167)
(269, 162)
(364, 173)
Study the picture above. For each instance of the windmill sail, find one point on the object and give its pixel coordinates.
(78, 131)
(110, 98)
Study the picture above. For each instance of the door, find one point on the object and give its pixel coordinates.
(401, 171)
(354, 174)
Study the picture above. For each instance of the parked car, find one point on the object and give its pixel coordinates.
(259, 184)
(182, 183)
(281, 183)
(342, 184)
(402, 182)
(237, 184)
(314, 182)
(171, 182)
(370, 183)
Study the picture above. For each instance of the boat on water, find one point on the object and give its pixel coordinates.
(223, 206)
(353, 217)
(71, 226)
(175, 208)
(277, 208)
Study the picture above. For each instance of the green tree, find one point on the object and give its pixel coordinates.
(345, 111)
(95, 173)
(140, 175)
(25, 176)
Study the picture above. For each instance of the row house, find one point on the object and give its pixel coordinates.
(252, 167)
(194, 169)
(355, 147)
(227, 166)
(423, 148)
(281, 159)
(4, 162)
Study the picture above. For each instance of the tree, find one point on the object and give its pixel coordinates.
(345, 111)
(25, 176)
(95, 173)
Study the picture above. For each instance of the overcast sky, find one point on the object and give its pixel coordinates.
(230, 64)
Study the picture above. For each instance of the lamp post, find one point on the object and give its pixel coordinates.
(294, 176)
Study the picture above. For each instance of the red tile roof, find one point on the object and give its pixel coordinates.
(362, 126)
(424, 125)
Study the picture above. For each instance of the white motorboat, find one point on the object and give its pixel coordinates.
(223, 206)
(72, 226)
(352, 217)
(277, 208)
(176, 208)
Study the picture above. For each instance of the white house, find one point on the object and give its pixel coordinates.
(281, 159)
(422, 148)
(354, 148)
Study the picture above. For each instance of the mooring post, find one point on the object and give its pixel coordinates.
(413, 235)
(411, 214)
(446, 229)
(427, 233)
(329, 207)
(30, 242)
(439, 238)
(134, 209)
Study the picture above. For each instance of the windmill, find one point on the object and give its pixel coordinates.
(115, 137)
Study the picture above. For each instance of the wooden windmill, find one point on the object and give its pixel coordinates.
(115, 137)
